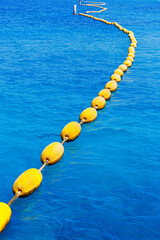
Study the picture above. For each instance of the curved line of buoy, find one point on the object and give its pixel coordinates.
(95, 4)
(30, 180)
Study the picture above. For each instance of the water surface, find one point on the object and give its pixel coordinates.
(52, 65)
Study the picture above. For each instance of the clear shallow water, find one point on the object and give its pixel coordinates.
(52, 65)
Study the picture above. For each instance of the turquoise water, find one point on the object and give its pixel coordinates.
(107, 185)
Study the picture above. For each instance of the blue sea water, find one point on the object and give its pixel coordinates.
(107, 185)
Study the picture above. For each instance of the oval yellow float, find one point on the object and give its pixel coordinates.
(131, 54)
(131, 49)
(130, 58)
(119, 71)
(128, 63)
(27, 182)
(133, 44)
(105, 93)
(53, 153)
(111, 85)
(71, 131)
(116, 77)
(130, 33)
(134, 40)
(98, 102)
(123, 67)
(88, 115)
(5, 215)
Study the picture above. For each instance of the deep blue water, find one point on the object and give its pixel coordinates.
(52, 64)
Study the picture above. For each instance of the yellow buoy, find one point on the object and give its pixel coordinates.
(131, 39)
(53, 153)
(123, 67)
(130, 58)
(71, 131)
(116, 77)
(111, 85)
(134, 40)
(27, 182)
(88, 115)
(119, 71)
(105, 93)
(5, 215)
(116, 24)
(131, 54)
(128, 63)
(130, 33)
(98, 102)
(133, 44)
(131, 49)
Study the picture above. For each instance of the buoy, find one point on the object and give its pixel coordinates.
(71, 131)
(111, 85)
(130, 33)
(123, 67)
(116, 77)
(88, 115)
(98, 102)
(131, 49)
(5, 215)
(119, 71)
(52, 153)
(27, 182)
(133, 44)
(131, 39)
(116, 24)
(131, 54)
(130, 58)
(74, 9)
(105, 93)
(134, 40)
(128, 63)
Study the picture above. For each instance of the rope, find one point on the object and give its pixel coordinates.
(82, 121)
(64, 140)
(43, 166)
(14, 198)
